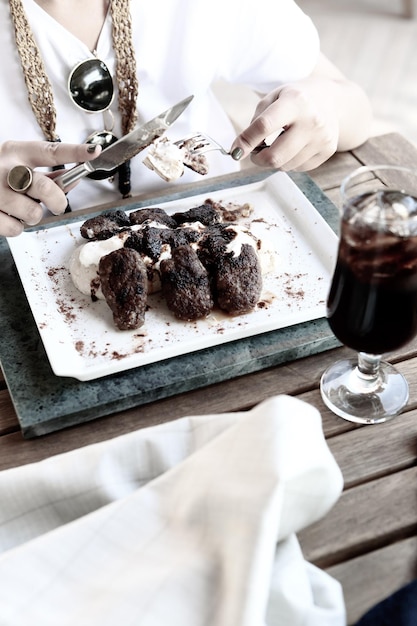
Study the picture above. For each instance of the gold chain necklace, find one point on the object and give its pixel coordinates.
(39, 88)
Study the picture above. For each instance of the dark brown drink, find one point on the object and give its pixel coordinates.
(372, 305)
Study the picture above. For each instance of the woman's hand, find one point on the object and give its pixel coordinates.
(320, 114)
(18, 209)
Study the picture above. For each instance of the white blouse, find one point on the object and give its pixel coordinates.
(181, 47)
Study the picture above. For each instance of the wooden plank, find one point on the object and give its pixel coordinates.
(363, 454)
(329, 175)
(365, 518)
(371, 578)
(8, 418)
(391, 148)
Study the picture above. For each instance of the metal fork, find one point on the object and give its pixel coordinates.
(198, 143)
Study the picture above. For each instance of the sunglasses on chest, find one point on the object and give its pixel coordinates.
(91, 89)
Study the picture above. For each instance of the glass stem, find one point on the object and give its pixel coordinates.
(368, 366)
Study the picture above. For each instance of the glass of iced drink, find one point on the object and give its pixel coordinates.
(372, 303)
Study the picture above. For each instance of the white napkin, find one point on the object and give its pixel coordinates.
(189, 523)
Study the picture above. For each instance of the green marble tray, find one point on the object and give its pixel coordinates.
(45, 403)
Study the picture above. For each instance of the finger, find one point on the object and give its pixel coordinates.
(252, 139)
(303, 161)
(10, 226)
(22, 208)
(43, 189)
(299, 151)
(47, 153)
(268, 122)
(282, 150)
(306, 164)
(23, 202)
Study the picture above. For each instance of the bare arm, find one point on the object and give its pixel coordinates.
(322, 113)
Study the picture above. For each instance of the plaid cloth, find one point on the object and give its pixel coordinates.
(191, 523)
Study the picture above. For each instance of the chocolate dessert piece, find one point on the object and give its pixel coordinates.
(138, 241)
(186, 285)
(152, 215)
(153, 241)
(105, 225)
(181, 236)
(135, 240)
(124, 285)
(196, 162)
(205, 214)
(238, 281)
(230, 212)
(213, 244)
(150, 240)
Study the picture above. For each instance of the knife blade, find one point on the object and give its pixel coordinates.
(127, 147)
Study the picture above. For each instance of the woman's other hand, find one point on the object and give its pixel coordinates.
(320, 114)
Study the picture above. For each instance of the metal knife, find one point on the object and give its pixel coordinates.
(126, 147)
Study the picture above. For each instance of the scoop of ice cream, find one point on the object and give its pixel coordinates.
(166, 159)
(83, 264)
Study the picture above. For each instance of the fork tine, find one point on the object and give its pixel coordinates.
(194, 142)
(190, 137)
(200, 142)
(214, 145)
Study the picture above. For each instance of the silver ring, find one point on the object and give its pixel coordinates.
(20, 178)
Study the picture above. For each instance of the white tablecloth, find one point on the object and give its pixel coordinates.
(189, 523)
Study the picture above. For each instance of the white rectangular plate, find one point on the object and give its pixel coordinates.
(79, 336)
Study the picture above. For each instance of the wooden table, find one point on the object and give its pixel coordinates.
(369, 539)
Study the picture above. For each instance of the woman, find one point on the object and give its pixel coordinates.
(158, 53)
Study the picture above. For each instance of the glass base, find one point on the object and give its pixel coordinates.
(363, 399)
